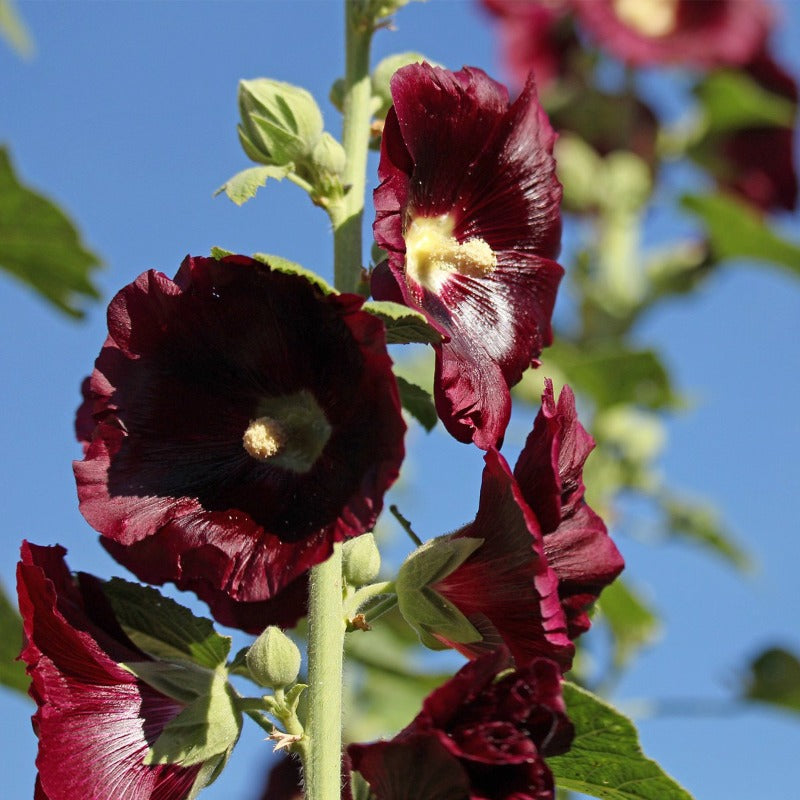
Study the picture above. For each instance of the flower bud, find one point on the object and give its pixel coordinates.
(362, 560)
(280, 123)
(382, 75)
(273, 659)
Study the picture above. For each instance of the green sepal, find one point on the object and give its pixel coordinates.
(182, 682)
(403, 324)
(605, 759)
(207, 727)
(244, 185)
(293, 268)
(207, 774)
(418, 403)
(433, 561)
(163, 628)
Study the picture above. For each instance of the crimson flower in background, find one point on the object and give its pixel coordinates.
(536, 37)
(549, 472)
(758, 162)
(95, 720)
(693, 33)
(468, 211)
(506, 588)
(243, 423)
(476, 737)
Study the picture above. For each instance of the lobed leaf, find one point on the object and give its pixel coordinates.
(418, 403)
(403, 324)
(244, 185)
(606, 760)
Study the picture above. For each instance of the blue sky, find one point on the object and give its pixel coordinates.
(127, 117)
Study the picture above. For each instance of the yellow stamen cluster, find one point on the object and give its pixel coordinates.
(264, 438)
(648, 17)
(433, 253)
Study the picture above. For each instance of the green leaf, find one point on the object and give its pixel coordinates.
(418, 403)
(206, 728)
(293, 268)
(163, 628)
(775, 679)
(12, 672)
(14, 30)
(700, 523)
(738, 231)
(732, 100)
(41, 246)
(403, 324)
(183, 682)
(244, 185)
(632, 623)
(610, 374)
(606, 760)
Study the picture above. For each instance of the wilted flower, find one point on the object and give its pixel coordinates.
(468, 210)
(243, 423)
(549, 472)
(95, 720)
(483, 735)
(693, 33)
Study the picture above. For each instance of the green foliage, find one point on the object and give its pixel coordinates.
(775, 679)
(14, 30)
(40, 245)
(293, 268)
(163, 628)
(273, 659)
(737, 231)
(12, 672)
(382, 75)
(613, 373)
(731, 99)
(633, 625)
(606, 760)
(418, 403)
(403, 324)
(361, 560)
(244, 185)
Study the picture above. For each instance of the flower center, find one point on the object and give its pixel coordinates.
(290, 431)
(433, 253)
(264, 438)
(648, 17)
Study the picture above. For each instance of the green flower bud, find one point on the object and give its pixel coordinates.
(382, 74)
(362, 560)
(280, 123)
(273, 659)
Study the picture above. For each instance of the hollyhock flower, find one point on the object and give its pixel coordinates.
(468, 211)
(505, 587)
(95, 720)
(535, 37)
(757, 163)
(549, 472)
(243, 423)
(477, 737)
(695, 33)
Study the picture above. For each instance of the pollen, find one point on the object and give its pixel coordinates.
(264, 438)
(648, 17)
(433, 253)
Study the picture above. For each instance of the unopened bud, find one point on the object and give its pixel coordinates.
(273, 659)
(362, 560)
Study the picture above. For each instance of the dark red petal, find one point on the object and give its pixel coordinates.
(506, 587)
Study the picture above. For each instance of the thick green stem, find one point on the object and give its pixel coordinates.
(325, 642)
(347, 213)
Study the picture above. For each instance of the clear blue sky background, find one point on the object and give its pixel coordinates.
(127, 116)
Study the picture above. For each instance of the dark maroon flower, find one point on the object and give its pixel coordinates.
(244, 422)
(478, 736)
(468, 211)
(285, 780)
(693, 33)
(535, 37)
(505, 588)
(95, 720)
(757, 162)
(549, 472)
